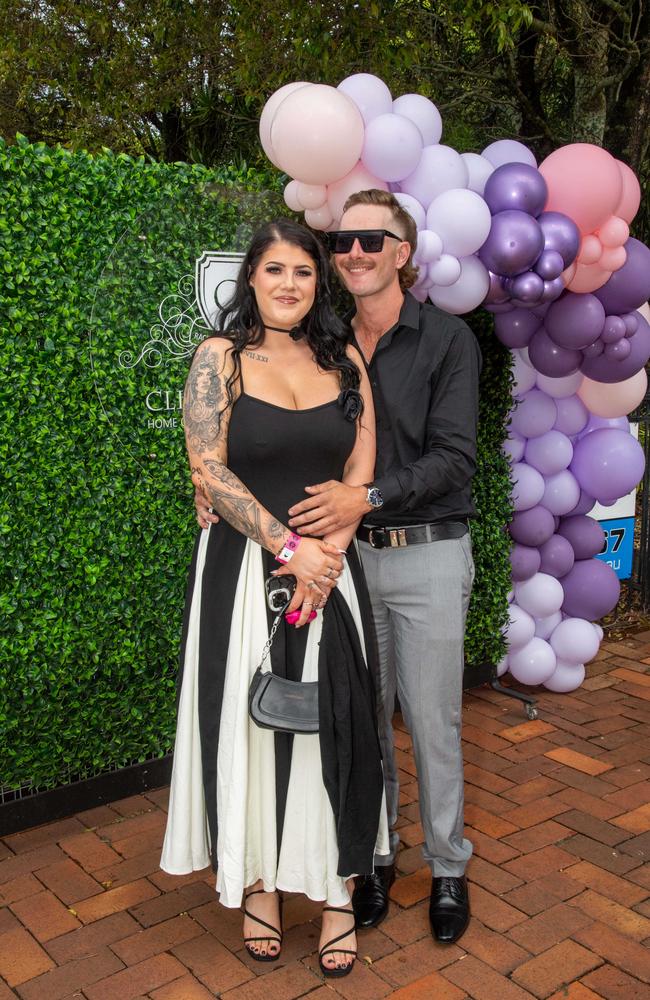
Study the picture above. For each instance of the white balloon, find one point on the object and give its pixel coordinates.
(462, 220)
(468, 292)
(479, 170)
(429, 248)
(542, 595)
(544, 627)
(440, 169)
(422, 113)
(575, 641)
(534, 663)
(560, 388)
(520, 629)
(444, 271)
(414, 209)
(566, 677)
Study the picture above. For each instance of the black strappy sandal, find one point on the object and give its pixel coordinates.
(328, 950)
(276, 937)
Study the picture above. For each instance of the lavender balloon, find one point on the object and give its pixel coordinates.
(513, 245)
(534, 663)
(544, 627)
(527, 486)
(575, 321)
(513, 446)
(572, 415)
(551, 359)
(561, 234)
(562, 493)
(516, 186)
(532, 527)
(524, 562)
(584, 505)
(520, 629)
(552, 290)
(566, 677)
(556, 556)
(618, 351)
(584, 534)
(549, 453)
(608, 463)
(540, 596)
(527, 287)
(629, 287)
(591, 590)
(613, 330)
(515, 328)
(535, 414)
(604, 369)
(524, 376)
(598, 423)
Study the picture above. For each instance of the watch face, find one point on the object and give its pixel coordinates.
(375, 498)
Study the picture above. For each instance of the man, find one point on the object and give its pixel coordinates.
(415, 545)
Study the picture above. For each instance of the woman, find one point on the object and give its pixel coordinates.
(274, 402)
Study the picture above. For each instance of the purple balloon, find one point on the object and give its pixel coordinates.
(515, 328)
(549, 453)
(575, 321)
(618, 351)
(551, 359)
(591, 590)
(496, 292)
(532, 527)
(572, 415)
(584, 534)
(513, 446)
(535, 414)
(608, 463)
(597, 423)
(594, 350)
(631, 321)
(550, 265)
(557, 556)
(603, 369)
(527, 287)
(562, 493)
(524, 562)
(513, 245)
(561, 234)
(584, 504)
(527, 486)
(613, 330)
(516, 186)
(499, 307)
(629, 287)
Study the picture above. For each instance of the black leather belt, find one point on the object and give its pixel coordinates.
(417, 534)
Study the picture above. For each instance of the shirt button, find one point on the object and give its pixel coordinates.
(374, 385)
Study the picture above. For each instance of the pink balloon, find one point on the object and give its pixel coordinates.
(566, 677)
(423, 113)
(369, 93)
(317, 134)
(588, 277)
(612, 258)
(392, 147)
(268, 114)
(311, 195)
(584, 182)
(590, 249)
(614, 232)
(291, 198)
(615, 399)
(318, 218)
(630, 199)
(359, 179)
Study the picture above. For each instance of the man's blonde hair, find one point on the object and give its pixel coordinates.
(408, 274)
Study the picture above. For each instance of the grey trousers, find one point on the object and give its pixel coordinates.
(420, 595)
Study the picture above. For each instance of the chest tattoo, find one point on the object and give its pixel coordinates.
(254, 356)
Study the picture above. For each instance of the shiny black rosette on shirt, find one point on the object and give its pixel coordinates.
(351, 402)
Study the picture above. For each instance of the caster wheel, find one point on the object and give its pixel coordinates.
(531, 712)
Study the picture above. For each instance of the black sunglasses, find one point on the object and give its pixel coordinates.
(370, 240)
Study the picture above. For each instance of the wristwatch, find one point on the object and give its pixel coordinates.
(374, 497)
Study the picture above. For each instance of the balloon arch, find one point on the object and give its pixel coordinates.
(546, 248)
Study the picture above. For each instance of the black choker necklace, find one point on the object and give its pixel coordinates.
(295, 332)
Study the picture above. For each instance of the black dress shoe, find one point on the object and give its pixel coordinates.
(448, 908)
(370, 897)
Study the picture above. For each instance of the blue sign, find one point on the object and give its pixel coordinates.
(619, 545)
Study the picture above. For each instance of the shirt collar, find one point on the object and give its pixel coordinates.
(409, 314)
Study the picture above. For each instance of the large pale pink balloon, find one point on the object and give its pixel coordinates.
(268, 114)
(369, 93)
(615, 399)
(423, 113)
(630, 199)
(359, 179)
(584, 182)
(317, 134)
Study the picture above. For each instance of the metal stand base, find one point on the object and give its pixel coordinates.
(529, 702)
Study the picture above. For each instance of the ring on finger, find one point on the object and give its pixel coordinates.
(312, 583)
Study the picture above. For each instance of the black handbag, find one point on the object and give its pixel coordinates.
(279, 704)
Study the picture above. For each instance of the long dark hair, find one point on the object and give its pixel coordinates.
(242, 324)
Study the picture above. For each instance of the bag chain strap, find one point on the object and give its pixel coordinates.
(269, 641)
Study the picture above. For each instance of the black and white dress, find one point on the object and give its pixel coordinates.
(302, 813)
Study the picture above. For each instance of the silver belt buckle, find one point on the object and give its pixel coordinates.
(371, 538)
(397, 537)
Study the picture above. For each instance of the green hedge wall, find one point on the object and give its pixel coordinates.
(96, 519)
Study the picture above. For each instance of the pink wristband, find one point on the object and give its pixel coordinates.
(288, 549)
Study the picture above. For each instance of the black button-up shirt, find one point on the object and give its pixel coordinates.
(424, 376)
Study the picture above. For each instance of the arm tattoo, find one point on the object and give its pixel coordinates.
(203, 404)
(238, 506)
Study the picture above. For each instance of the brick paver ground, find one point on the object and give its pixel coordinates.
(558, 810)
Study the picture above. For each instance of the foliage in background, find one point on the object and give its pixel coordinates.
(96, 518)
